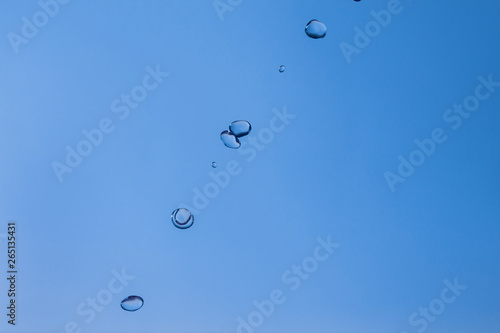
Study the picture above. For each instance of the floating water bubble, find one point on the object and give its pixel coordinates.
(182, 218)
(132, 303)
(214, 165)
(282, 68)
(240, 128)
(315, 29)
(230, 140)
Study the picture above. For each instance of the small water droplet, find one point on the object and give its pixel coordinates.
(282, 68)
(214, 165)
(230, 140)
(132, 303)
(182, 218)
(315, 29)
(240, 128)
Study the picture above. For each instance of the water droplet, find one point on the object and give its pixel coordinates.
(282, 68)
(182, 218)
(315, 29)
(240, 128)
(230, 140)
(214, 165)
(132, 303)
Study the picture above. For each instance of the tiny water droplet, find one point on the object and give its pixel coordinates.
(230, 140)
(315, 29)
(282, 68)
(240, 128)
(132, 303)
(182, 218)
(214, 165)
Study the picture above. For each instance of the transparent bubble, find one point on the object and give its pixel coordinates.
(315, 29)
(282, 68)
(182, 218)
(230, 140)
(214, 165)
(240, 128)
(132, 303)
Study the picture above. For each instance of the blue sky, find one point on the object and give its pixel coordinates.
(321, 174)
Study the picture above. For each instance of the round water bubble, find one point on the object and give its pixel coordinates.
(282, 68)
(214, 165)
(315, 29)
(182, 218)
(230, 140)
(240, 128)
(132, 303)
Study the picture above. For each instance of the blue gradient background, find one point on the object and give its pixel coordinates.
(323, 175)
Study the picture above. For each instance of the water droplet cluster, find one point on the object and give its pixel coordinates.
(237, 129)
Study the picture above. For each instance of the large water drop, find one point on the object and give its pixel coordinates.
(132, 303)
(182, 218)
(315, 29)
(240, 128)
(230, 140)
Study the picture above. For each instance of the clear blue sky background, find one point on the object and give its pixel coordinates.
(323, 175)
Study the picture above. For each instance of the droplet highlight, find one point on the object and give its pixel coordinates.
(182, 218)
(132, 303)
(240, 128)
(282, 68)
(230, 140)
(315, 29)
